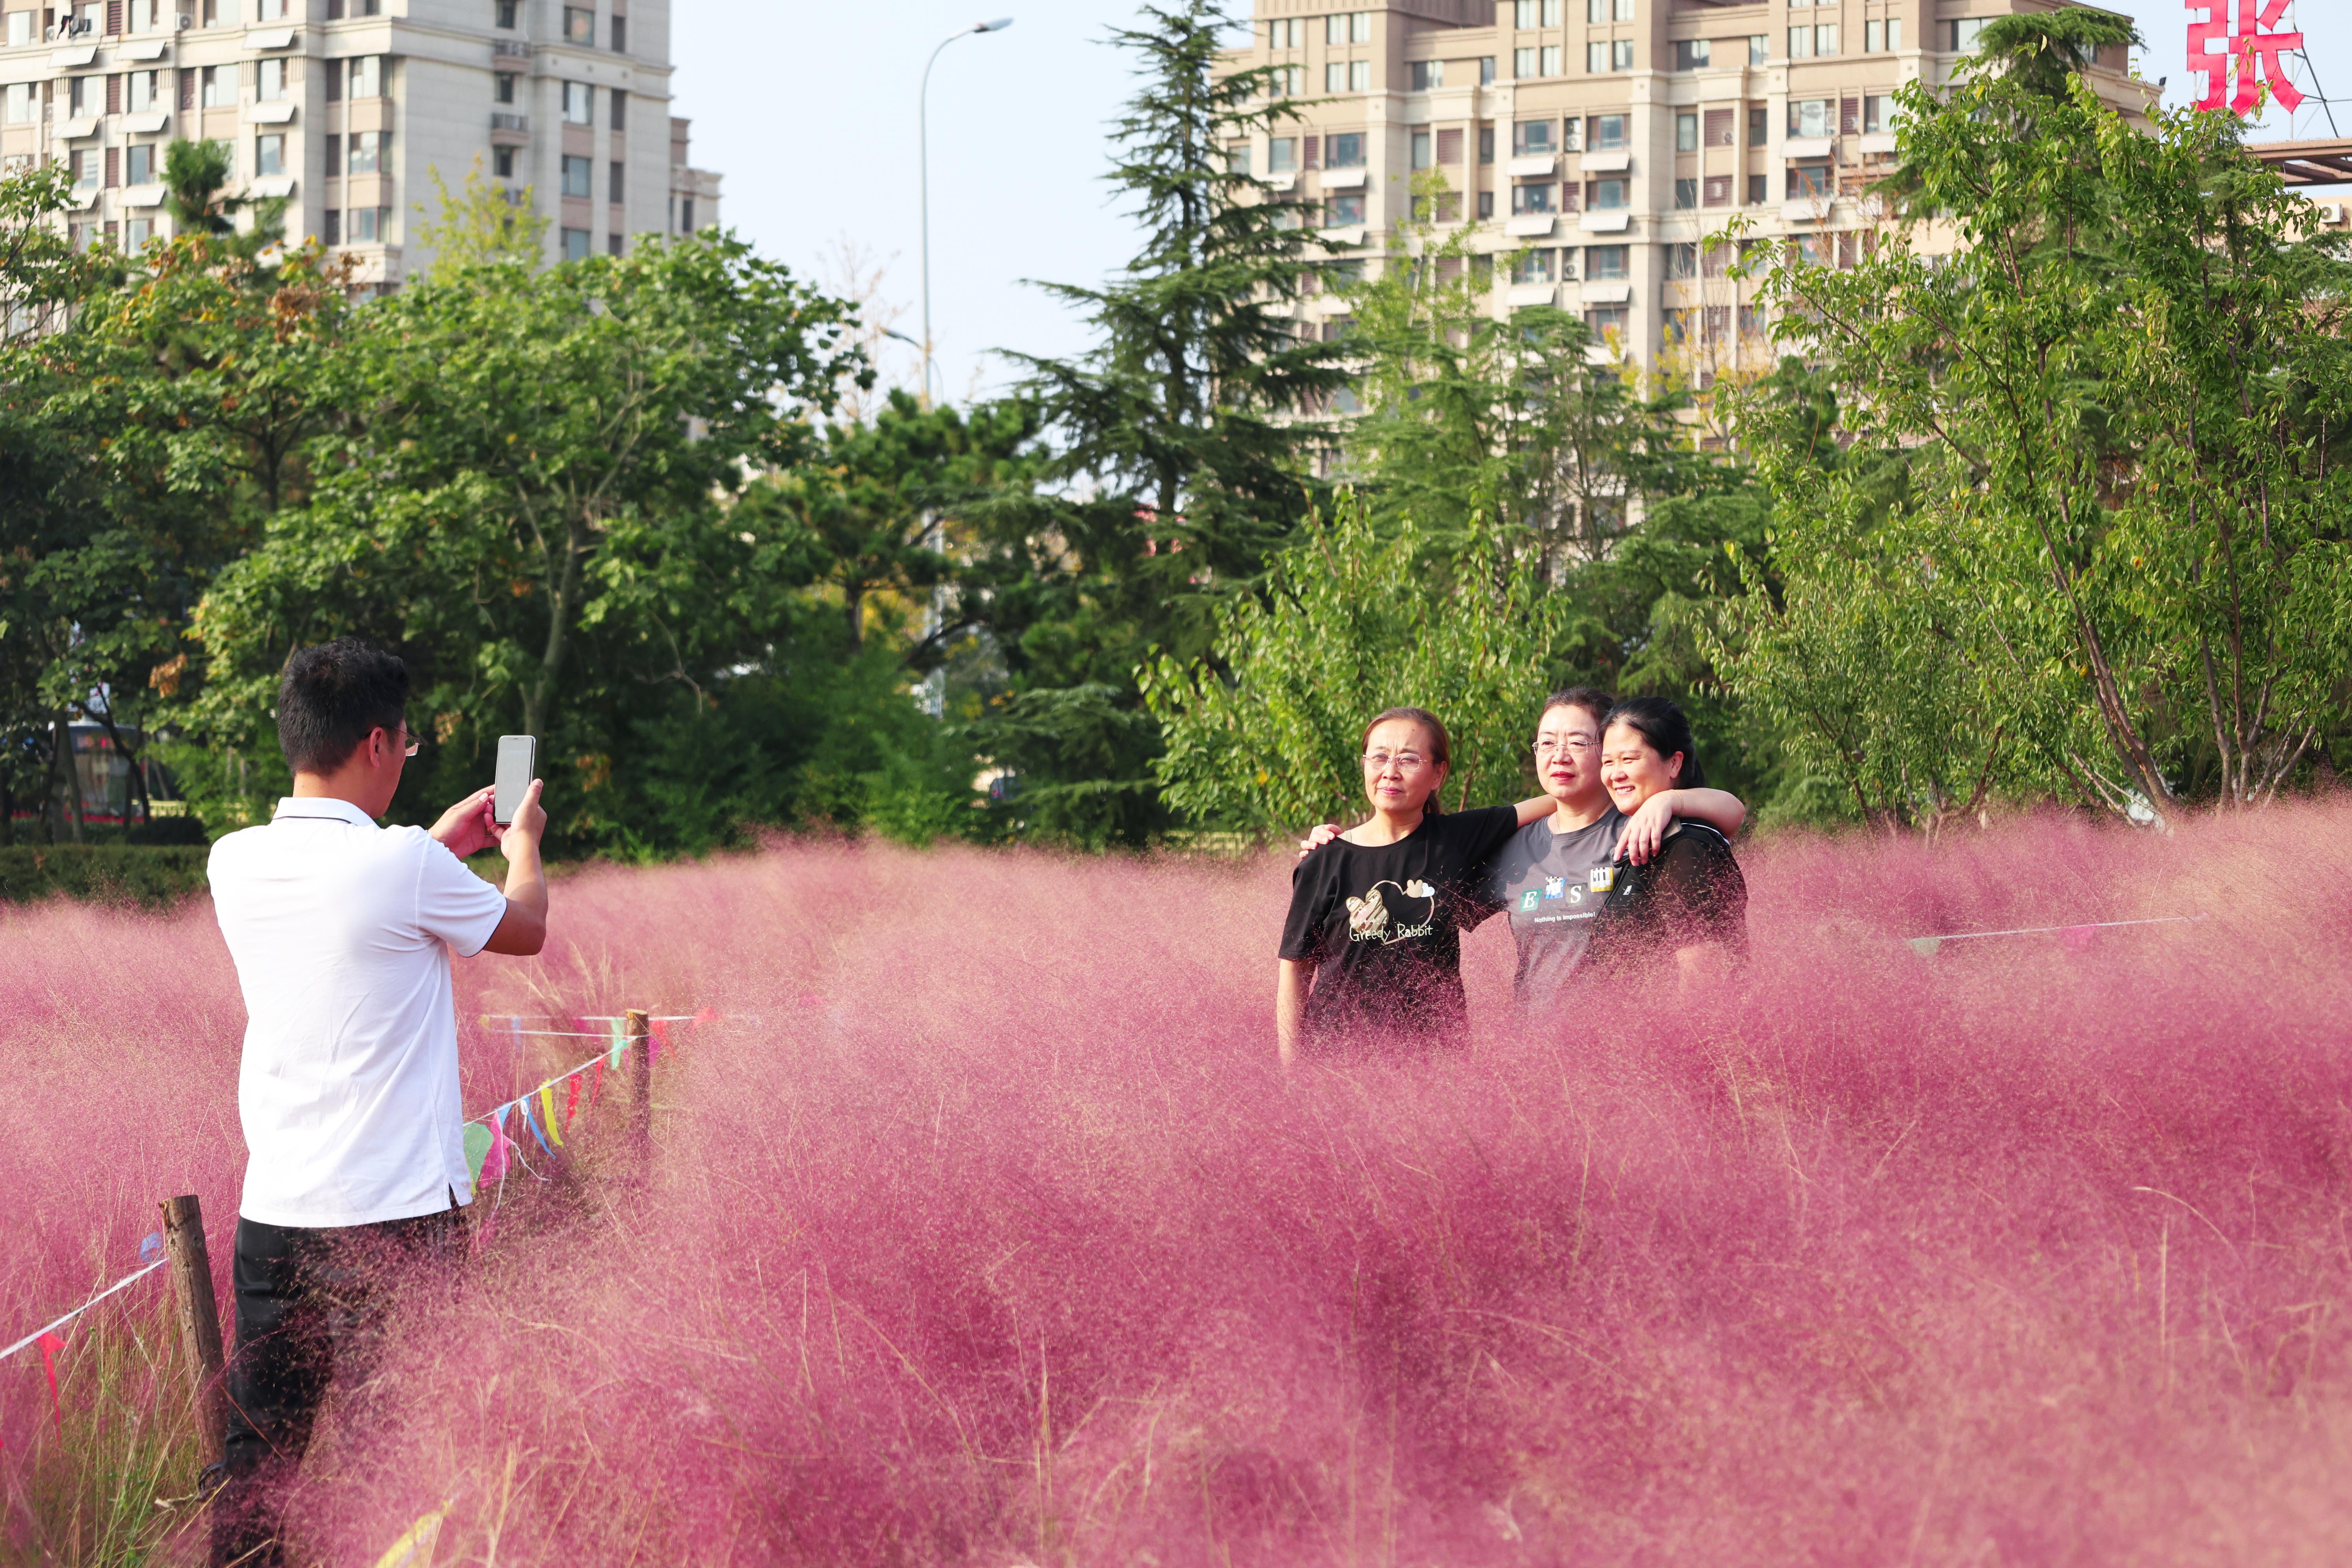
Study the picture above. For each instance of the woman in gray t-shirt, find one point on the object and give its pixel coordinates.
(1549, 880)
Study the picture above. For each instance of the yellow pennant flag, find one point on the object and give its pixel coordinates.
(415, 1546)
(547, 1103)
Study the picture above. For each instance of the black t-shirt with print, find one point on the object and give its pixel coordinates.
(1551, 886)
(1690, 892)
(1383, 925)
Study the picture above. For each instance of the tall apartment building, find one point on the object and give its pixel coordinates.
(1594, 143)
(343, 106)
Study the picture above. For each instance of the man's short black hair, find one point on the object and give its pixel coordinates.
(332, 696)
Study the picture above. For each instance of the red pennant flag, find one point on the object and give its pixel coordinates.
(572, 1102)
(596, 1084)
(52, 1344)
(659, 1037)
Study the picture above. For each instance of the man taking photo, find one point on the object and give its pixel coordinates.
(355, 1172)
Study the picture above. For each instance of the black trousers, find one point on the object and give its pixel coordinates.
(310, 1311)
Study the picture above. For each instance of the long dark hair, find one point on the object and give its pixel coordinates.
(1661, 724)
(1441, 746)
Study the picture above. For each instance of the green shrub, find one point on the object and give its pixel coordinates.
(134, 873)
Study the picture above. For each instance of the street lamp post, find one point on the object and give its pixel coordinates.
(923, 137)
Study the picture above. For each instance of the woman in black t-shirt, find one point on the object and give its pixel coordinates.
(1686, 910)
(1371, 952)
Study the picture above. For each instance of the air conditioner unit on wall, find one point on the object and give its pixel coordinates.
(186, 22)
(2331, 212)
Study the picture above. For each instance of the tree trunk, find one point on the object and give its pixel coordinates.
(853, 607)
(73, 774)
(538, 697)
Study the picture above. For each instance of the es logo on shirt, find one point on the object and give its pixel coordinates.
(1528, 899)
(1555, 887)
(1601, 878)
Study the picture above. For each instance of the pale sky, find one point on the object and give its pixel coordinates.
(809, 112)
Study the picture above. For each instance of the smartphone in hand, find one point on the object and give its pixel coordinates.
(518, 765)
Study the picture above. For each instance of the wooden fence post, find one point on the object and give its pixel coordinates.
(199, 1315)
(641, 1079)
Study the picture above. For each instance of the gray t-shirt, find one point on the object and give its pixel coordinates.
(1552, 886)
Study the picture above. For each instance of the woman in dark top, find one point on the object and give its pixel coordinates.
(1687, 909)
(1372, 954)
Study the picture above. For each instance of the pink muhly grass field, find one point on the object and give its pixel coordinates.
(985, 1230)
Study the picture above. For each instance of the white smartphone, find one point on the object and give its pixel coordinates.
(518, 765)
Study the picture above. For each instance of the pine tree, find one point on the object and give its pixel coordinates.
(1181, 427)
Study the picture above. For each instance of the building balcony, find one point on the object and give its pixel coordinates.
(73, 56)
(508, 129)
(1343, 179)
(279, 114)
(510, 49)
(77, 127)
(147, 122)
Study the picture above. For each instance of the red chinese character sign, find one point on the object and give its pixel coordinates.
(2250, 45)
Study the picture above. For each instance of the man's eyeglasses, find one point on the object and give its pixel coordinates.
(415, 742)
(1551, 746)
(1406, 760)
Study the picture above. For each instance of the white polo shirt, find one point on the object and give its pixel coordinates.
(341, 932)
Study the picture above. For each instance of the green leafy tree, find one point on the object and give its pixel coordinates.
(531, 498)
(2118, 408)
(1350, 626)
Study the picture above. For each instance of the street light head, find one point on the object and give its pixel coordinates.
(996, 26)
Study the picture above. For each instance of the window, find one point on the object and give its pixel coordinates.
(1289, 82)
(619, 29)
(1282, 155)
(1346, 150)
(1290, 34)
(1686, 194)
(1686, 132)
(187, 89)
(1621, 10)
(575, 176)
(1611, 132)
(1427, 74)
(506, 11)
(1344, 210)
(1537, 12)
(137, 232)
(1692, 54)
(613, 185)
(1717, 191)
(1682, 260)
(19, 107)
(333, 234)
(269, 11)
(1874, 33)
(1809, 116)
(1485, 71)
(1808, 179)
(1523, 63)
(1606, 195)
(1849, 116)
(1572, 131)
(113, 167)
(1486, 143)
(1810, 250)
(142, 95)
(1314, 154)
(502, 88)
(502, 162)
(366, 74)
(1359, 76)
(1894, 33)
(1714, 261)
(1531, 198)
(334, 80)
(1758, 49)
(1609, 323)
(1825, 38)
(367, 152)
(334, 155)
(1334, 75)
(1757, 134)
(1347, 27)
(1572, 197)
(20, 28)
(1596, 11)
(1755, 190)
(612, 241)
(578, 103)
(1604, 261)
(1621, 55)
(1718, 128)
(1596, 57)
(1801, 43)
(270, 80)
(1877, 114)
(1449, 206)
(1548, 60)
(1486, 204)
(1425, 150)
(579, 26)
(269, 154)
(86, 166)
(1532, 267)
(576, 243)
(1449, 146)
(210, 94)
(138, 165)
(1961, 36)
(367, 226)
(1237, 158)
(83, 95)
(1531, 139)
